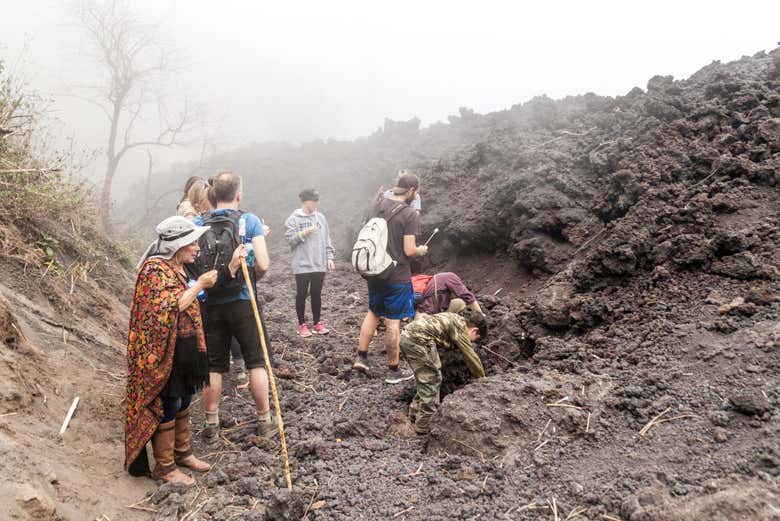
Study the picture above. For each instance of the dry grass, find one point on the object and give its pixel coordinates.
(47, 216)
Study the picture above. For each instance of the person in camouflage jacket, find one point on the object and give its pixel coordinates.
(420, 344)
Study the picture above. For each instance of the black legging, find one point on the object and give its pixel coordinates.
(302, 283)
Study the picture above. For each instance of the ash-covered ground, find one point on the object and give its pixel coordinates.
(563, 424)
(627, 251)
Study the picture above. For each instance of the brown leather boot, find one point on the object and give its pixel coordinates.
(165, 466)
(183, 448)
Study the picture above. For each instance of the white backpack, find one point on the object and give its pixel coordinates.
(369, 254)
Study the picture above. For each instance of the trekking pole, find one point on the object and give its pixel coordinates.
(277, 408)
(431, 237)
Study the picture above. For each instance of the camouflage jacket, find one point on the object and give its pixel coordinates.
(446, 331)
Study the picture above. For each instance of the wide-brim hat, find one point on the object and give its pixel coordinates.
(174, 233)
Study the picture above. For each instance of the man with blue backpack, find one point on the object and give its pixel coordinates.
(381, 255)
(229, 313)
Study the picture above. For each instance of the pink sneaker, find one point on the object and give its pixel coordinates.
(303, 331)
(320, 329)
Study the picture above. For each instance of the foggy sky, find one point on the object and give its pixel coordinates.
(297, 71)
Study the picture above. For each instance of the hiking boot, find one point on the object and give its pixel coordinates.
(303, 331)
(396, 377)
(320, 329)
(210, 434)
(163, 441)
(360, 364)
(266, 428)
(422, 425)
(182, 448)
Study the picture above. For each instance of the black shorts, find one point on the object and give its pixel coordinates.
(226, 321)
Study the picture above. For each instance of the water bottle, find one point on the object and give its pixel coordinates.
(242, 228)
(250, 254)
(201, 293)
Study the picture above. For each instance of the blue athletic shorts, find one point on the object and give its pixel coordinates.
(392, 301)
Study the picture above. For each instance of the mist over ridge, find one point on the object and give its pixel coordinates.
(492, 160)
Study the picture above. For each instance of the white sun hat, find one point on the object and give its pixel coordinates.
(173, 234)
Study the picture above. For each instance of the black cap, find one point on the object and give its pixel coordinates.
(406, 181)
(309, 194)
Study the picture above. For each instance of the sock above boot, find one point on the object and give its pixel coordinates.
(212, 417)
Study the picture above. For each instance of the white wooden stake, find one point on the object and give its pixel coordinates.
(69, 415)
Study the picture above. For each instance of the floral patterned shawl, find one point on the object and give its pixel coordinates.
(155, 323)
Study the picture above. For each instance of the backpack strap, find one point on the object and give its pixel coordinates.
(397, 209)
(436, 293)
(234, 215)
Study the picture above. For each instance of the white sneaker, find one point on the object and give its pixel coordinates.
(396, 377)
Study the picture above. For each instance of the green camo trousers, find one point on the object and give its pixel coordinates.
(424, 361)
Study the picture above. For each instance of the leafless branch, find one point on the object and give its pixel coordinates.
(131, 56)
(91, 101)
(168, 136)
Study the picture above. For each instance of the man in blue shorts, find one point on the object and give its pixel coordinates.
(390, 294)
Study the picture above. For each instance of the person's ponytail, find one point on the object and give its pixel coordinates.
(191, 181)
(211, 193)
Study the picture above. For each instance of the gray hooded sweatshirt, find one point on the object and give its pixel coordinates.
(309, 254)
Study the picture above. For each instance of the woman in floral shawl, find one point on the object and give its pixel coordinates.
(166, 354)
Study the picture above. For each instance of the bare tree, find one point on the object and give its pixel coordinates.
(133, 62)
(151, 205)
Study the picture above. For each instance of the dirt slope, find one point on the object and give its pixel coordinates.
(62, 325)
(56, 345)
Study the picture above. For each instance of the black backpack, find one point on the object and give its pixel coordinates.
(216, 249)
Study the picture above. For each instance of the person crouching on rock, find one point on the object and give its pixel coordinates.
(308, 234)
(442, 292)
(166, 354)
(420, 342)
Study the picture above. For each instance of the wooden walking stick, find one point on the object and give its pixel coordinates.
(277, 408)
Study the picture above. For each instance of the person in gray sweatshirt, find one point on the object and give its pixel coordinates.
(308, 234)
